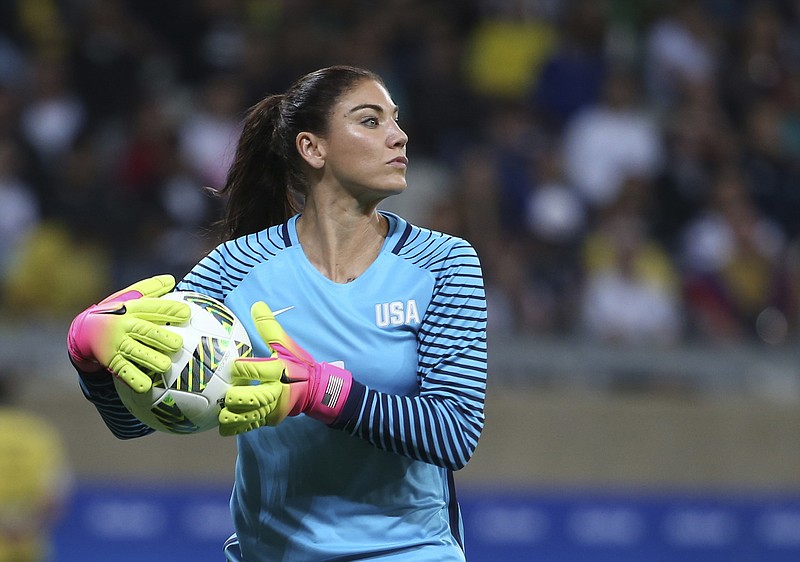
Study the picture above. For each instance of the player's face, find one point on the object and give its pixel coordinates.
(365, 148)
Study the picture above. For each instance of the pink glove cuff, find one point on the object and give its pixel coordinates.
(329, 395)
(74, 344)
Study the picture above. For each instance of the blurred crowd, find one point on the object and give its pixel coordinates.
(627, 169)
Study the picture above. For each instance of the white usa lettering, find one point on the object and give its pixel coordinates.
(396, 313)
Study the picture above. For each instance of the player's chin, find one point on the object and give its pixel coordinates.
(400, 188)
(395, 185)
(389, 192)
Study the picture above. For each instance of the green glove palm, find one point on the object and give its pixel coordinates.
(124, 334)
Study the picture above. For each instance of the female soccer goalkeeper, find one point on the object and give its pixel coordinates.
(350, 436)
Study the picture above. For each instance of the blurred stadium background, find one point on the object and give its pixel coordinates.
(627, 169)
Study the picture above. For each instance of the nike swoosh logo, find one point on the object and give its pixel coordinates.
(281, 311)
(285, 379)
(119, 311)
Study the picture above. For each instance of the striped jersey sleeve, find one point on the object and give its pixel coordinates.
(100, 391)
(442, 424)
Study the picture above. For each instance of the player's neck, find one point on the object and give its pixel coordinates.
(341, 246)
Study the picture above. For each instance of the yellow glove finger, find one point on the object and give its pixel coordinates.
(268, 328)
(245, 371)
(229, 417)
(273, 334)
(158, 338)
(261, 398)
(130, 374)
(156, 286)
(158, 311)
(229, 428)
(226, 430)
(234, 422)
(144, 355)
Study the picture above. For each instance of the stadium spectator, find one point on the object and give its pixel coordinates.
(732, 263)
(19, 207)
(53, 114)
(34, 480)
(207, 135)
(572, 76)
(108, 53)
(613, 140)
(631, 291)
(681, 48)
(699, 138)
(770, 169)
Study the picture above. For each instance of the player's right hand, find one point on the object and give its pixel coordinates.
(123, 333)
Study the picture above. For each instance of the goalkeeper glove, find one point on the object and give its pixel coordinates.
(319, 390)
(122, 333)
(254, 394)
(266, 391)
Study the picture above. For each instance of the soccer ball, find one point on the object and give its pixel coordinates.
(189, 396)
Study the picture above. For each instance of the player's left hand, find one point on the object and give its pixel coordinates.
(253, 396)
(316, 389)
(290, 382)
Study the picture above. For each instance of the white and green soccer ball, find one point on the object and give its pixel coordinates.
(189, 396)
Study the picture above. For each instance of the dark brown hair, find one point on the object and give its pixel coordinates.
(266, 181)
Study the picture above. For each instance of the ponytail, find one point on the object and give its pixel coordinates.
(257, 187)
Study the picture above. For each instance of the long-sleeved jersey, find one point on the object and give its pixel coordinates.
(378, 483)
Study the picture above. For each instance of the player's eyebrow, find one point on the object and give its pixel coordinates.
(375, 107)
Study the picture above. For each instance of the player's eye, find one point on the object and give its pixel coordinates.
(370, 121)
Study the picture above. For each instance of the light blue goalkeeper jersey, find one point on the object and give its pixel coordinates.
(378, 483)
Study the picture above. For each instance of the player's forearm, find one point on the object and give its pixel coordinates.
(99, 390)
(431, 429)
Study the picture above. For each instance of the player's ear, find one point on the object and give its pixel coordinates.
(312, 149)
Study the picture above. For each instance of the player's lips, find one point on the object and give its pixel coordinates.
(400, 161)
